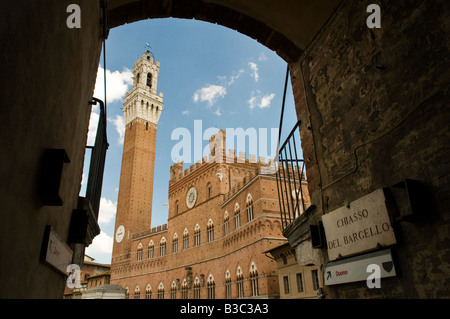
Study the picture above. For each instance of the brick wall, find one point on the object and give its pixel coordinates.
(376, 112)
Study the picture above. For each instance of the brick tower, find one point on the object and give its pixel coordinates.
(141, 109)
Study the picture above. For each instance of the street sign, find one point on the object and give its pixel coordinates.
(357, 268)
(361, 226)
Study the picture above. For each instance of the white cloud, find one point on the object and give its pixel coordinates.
(230, 80)
(119, 123)
(117, 84)
(209, 94)
(262, 57)
(266, 100)
(102, 244)
(93, 123)
(254, 67)
(186, 112)
(218, 112)
(261, 101)
(252, 102)
(107, 210)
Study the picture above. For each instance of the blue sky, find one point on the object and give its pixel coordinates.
(208, 73)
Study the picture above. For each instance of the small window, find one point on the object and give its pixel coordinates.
(286, 285)
(209, 190)
(300, 282)
(315, 277)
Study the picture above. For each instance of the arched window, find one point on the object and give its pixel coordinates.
(184, 289)
(173, 290)
(197, 235)
(139, 252)
(185, 239)
(137, 293)
(249, 206)
(209, 190)
(137, 79)
(254, 279)
(149, 79)
(211, 287)
(151, 249)
(240, 282)
(237, 215)
(228, 284)
(175, 243)
(177, 208)
(148, 292)
(210, 230)
(226, 223)
(196, 288)
(162, 247)
(161, 291)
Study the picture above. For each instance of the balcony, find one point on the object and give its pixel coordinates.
(291, 181)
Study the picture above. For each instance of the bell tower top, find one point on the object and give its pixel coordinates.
(143, 101)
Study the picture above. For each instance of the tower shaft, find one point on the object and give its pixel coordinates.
(142, 109)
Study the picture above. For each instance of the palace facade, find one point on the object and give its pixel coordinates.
(223, 214)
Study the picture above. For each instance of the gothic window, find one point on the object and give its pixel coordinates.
(237, 215)
(149, 80)
(226, 223)
(162, 246)
(148, 292)
(210, 230)
(228, 285)
(150, 249)
(249, 206)
(196, 288)
(160, 291)
(254, 280)
(185, 239)
(139, 252)
(173, 290)
(240, 282)
(184, 289)
(197, 235)
(175, 243)
(137, 293)
(211, 287)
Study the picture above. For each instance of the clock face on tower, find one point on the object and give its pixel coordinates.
(191, 197)
(120, 233)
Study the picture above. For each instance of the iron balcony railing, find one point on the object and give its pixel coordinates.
(97, 164)
(291, 178)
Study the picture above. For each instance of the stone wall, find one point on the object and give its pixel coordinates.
(374, 111)
(47, 81)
